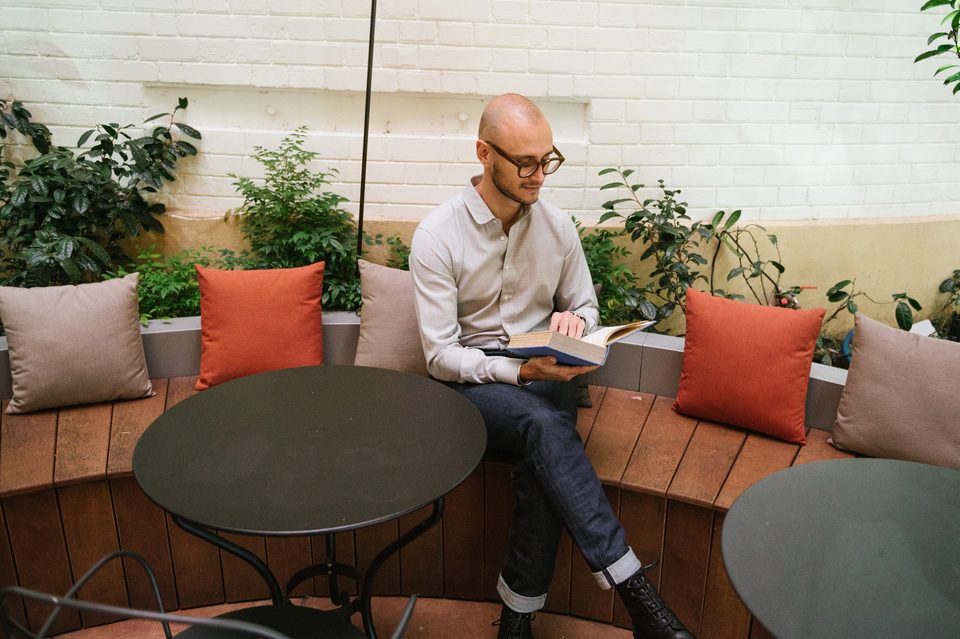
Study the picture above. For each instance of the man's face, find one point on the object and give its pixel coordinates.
(525, 147)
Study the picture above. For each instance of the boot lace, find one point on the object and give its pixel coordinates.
(516, 625)
(641, 588)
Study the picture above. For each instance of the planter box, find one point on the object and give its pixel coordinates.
(644, 361)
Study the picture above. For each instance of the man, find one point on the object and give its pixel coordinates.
(495, 261)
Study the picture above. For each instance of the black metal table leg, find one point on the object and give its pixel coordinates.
(383, 555)
(276, 595)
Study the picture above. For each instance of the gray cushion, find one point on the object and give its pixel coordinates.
(389, 333)
(74, 344)
(900, 400)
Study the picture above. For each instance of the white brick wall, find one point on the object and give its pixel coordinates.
(808, 109)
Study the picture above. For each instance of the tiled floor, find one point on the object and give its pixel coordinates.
(432, 619)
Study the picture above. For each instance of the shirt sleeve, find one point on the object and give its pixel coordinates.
(575, 291)
(435, 292)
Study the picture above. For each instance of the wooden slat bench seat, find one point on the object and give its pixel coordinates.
(68, 497)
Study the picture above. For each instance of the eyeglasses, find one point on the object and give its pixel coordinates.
(527, 168)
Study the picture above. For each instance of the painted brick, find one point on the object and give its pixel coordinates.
(718, 95)
(455, 58)
(463, 11)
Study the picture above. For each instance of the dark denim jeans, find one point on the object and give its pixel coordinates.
(555, 486)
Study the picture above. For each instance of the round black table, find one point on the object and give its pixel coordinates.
(304, 451)
(849, 548)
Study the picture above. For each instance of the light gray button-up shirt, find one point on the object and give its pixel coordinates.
(476, 285)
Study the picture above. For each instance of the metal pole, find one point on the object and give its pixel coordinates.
(366, 126)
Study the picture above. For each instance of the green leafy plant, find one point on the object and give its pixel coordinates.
(673, 242)
(399, 256)
(290, 220)
(15, 117)
(948, 326)
(948, 41)
(168, 286)
(662, 226)
(617, 295)
(63, 216)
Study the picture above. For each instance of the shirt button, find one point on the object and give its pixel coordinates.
(503, 238)
(507, 267)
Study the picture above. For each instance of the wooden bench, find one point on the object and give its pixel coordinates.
(67, 497)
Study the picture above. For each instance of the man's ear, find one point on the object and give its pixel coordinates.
(483, 153)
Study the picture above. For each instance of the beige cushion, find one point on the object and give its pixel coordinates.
(900, 400)
(74, 344)
(389, 333)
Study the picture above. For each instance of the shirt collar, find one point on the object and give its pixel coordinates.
(479, 210)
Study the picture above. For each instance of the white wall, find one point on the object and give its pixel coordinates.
(788, 109)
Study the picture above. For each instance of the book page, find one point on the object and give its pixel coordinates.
(606, 335)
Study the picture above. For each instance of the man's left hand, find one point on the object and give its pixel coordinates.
(568, 324)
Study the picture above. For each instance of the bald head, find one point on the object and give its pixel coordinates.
(509, 111)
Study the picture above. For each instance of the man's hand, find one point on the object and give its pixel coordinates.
(546, 368)
(568, 324)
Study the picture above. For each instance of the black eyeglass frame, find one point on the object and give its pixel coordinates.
(520, 165)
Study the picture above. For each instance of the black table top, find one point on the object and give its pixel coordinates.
(309, 450)
(849, 548)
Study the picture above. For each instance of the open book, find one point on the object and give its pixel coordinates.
(590, 350)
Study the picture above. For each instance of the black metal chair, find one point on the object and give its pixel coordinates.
(287, 617)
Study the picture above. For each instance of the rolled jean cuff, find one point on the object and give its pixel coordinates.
(619, 571)
(519, 603)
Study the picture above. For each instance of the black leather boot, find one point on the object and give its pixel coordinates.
(514, 625)
(651, 617)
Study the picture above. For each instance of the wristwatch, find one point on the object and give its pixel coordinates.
(520, 381)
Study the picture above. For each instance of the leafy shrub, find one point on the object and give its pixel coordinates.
(948, 41)
(616, 282)
(63, 216)
(290, 220)
(168, 285)
(672, 241)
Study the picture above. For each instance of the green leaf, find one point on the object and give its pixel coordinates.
(606, 171)
(927, 54)
(86, 136)
(628, 172)
(731, 220)
(934, 3)
(851, 306)
(81, 203)
(38, 184)
(777, 265)
(936, 36)
(96, 249)
(140, 159)
(837, 296)
(188, 130)
(184, 148)
(904, 316)
(735, 272)
(915, 304)
(182, 103)
(156, 116)
(19, 196)
(836, 287)
(944, 68)
(952, 78)
(948, 285)
(773, 240)
(611, 185)
(950, 17)
(110, 130)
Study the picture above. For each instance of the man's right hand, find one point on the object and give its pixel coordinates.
(546, 369)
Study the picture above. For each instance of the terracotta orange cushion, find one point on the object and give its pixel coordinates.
(747, 365)
(258, 320)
